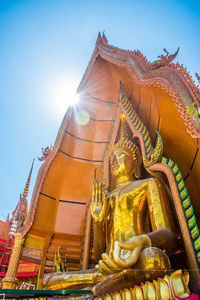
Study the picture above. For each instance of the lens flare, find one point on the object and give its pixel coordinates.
(82, 117)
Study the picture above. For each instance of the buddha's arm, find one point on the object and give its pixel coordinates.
(99, 243)
(162, 222)
(98, 212)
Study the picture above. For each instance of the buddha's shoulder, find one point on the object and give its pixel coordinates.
(136, 185)
(144, 182)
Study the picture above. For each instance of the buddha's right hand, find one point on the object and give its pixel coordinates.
(98, 206)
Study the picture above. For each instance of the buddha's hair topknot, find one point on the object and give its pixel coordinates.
(126, 144)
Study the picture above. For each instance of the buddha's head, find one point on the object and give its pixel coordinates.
(124, 158)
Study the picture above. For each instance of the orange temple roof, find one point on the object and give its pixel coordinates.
(64, 183)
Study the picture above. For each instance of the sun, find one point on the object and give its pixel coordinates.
(63, 94)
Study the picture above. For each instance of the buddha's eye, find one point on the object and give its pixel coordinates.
(114, 160)
(120, 155)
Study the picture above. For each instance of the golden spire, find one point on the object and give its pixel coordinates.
(25, 193)
(60, 264)
(65, 264)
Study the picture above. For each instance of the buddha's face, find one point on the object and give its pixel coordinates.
(122, 163)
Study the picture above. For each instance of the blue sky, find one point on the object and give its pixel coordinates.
(45, 44)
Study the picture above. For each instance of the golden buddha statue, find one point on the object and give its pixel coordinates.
(133, 228)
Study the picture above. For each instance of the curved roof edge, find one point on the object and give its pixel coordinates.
(173, 78)
(42, 173)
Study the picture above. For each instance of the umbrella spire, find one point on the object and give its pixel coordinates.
(25, 193)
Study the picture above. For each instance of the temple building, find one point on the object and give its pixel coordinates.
(123, 96)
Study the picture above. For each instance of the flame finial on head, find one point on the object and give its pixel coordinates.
(124, 143)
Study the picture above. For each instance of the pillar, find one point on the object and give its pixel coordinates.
(10, 281)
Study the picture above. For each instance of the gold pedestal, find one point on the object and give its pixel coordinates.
(9, 283)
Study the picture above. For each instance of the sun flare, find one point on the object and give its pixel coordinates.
(63, 95)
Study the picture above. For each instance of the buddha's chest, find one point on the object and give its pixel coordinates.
(129, 199)
(126, 212)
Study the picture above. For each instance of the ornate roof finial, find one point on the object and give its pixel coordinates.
(164, 60)
(8, 219)
(198, 77)
(104, 39)
(99, 39)
(45, 153)
(25, 193)
(21, 211)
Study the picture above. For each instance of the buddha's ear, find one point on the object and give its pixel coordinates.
(138, 163)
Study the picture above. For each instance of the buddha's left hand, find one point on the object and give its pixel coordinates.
(126, 254)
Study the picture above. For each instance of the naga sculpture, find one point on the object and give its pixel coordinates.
(164, 60)
(45, 153)
(134, 228)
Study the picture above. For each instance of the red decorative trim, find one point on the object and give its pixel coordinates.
(32, 252)
(24, 263)
(179, 69)
(3, 241)
(192, 127)
(27, 274)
